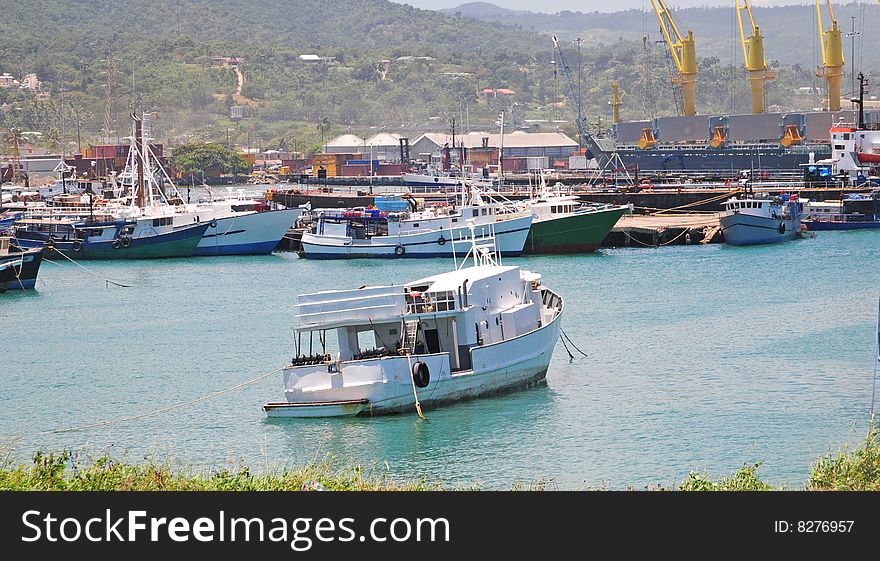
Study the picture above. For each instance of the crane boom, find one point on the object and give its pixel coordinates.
(586, 139)
(831, 43)
(684, 54)
(753, 56)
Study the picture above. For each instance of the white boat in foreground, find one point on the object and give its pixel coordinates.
(475, 331)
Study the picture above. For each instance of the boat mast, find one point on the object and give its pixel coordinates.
(501, 153)
(138, 133)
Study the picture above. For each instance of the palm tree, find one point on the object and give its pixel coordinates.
(324, 127)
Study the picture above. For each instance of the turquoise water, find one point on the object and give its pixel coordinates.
(700, 358)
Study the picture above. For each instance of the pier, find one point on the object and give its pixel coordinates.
(664, 229)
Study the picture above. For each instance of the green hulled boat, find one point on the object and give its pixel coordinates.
(563, 224)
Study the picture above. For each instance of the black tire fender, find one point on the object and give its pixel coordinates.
(421, 375)
(399, 250)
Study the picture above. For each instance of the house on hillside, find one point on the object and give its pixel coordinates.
(32, 83)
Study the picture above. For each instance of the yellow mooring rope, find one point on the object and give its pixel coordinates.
(413, 381)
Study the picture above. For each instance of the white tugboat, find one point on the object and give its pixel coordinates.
(472, 332)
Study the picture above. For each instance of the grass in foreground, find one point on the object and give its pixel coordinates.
(51, 472)
(858, 470)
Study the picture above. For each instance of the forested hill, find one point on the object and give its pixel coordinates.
(161, 53)
(790, 34)
(379, 66)
(308, 24)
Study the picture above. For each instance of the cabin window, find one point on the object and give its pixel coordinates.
(415, 225)
(846, 136)
(485, 212)
(838, 146)
(95, 233)
(454, 220)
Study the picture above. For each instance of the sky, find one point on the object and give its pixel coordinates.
(552, 6)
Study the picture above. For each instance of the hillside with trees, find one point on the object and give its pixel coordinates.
(309, 69)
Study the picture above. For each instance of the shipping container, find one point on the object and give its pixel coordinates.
(537, 162)
(354, 170)
(391, 169)
(577, 162)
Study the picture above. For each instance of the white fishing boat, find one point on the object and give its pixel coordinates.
(355, 233)
(238, 224)
(476, 331)
(761, 219)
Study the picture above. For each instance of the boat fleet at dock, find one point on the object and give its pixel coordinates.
(479, 329)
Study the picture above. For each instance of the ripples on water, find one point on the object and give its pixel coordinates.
(700, 358)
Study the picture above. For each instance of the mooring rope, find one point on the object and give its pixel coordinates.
(105, 279)
(572, 343)
(151, 413)
(570, 356)
(683, 232)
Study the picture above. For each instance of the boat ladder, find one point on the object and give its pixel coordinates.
(410, 335)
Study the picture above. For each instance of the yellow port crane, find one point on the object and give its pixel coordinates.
(832, 57)
(684, 53)
(753, 57)
(615, 102)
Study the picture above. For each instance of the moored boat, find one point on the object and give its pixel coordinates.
(563, 224)
(476, 331)
(136, 238)
(761, 219)
(18, 266)
(853, 212)
(430, 232)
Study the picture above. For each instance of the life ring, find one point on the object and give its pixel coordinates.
(441, 240)
(782, 227)
(126, 241)
(116, 243)
(77, 246)
(421, 375)
(213, 223)
(399, 250)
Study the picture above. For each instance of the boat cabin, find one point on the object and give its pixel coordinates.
(765, 206)
(448, 314)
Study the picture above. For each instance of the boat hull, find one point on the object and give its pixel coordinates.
(820, 225)
(510, 237)
(19, 271)
(576, 233)
(248, 234)
(745, 229)
(384, 385)
(179, 243)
